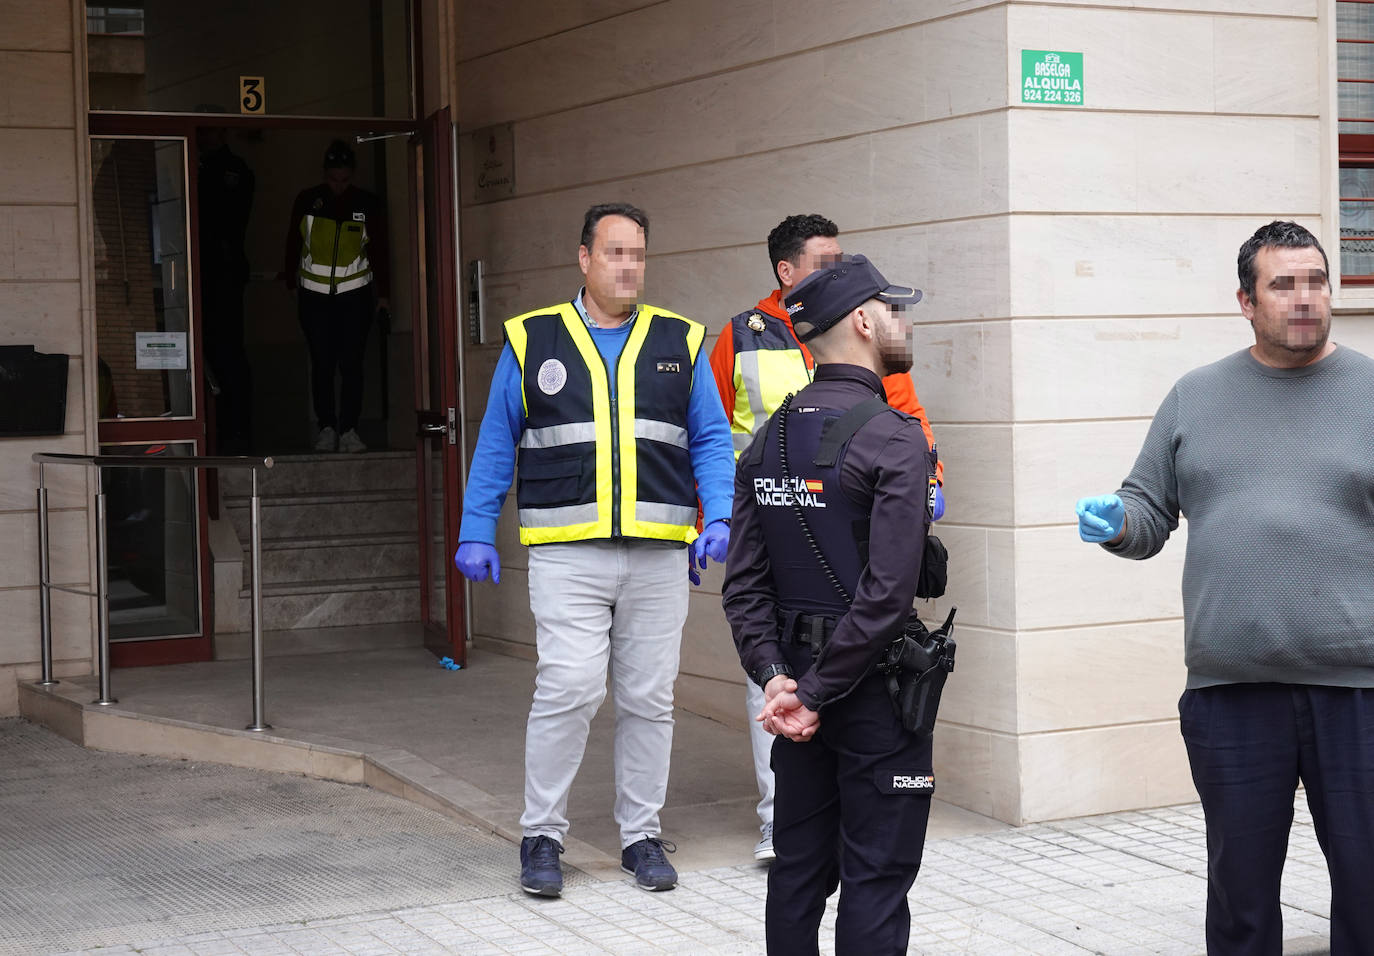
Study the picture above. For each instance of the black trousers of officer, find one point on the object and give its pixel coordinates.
(336, 329)
(838, 820)
(1248, 745)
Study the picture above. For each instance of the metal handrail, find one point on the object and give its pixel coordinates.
(102, 585)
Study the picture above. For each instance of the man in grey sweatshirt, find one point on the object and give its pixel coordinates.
(1270, 455)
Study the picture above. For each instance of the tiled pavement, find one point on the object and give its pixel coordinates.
(278, 864)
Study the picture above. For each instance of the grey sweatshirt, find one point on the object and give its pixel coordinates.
(1274, 470)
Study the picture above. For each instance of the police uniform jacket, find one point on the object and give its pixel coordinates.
(885, 473)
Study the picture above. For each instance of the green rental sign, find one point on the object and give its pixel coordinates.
(1051, 76)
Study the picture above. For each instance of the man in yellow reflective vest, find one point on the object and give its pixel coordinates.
(611, 409)
(336, 257)
(757, 361)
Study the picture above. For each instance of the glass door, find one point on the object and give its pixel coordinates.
(440, 449)
(151, 397)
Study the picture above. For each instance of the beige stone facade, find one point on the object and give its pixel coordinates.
(1076, 260)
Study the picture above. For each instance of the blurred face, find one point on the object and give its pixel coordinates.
(337, 179)
(1291, 309)
(614, 265)
(893, 336)
(817, 253)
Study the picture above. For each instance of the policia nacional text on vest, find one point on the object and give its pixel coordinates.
(598, 461)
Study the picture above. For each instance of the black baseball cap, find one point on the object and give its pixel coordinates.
(339, 155)
(828, 295)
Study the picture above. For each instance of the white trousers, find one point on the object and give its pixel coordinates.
(598, 603)
(761, 742)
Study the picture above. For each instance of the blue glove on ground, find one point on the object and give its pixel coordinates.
(1100, 518)
(939, 510)
(712, 543)
(475, 559)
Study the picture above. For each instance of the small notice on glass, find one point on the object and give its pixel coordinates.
(160, 350)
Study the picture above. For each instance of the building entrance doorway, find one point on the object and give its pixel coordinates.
(204, 347)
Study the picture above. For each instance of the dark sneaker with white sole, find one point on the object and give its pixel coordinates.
(540, 872)
(647, 864)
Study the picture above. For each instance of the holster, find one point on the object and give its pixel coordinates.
(916, 665)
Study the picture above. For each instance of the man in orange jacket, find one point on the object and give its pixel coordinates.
(757, 361)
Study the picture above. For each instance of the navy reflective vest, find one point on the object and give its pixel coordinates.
(768, 365)
(596, 466)
(838, 524)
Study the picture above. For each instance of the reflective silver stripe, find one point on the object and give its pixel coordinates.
(749, 375)
(561, 517)
(741, 440)
(653, 430)
(552, 436)
(659, 513)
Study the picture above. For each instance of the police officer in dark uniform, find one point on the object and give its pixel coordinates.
(825, 553)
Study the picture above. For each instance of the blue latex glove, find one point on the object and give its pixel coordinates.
(939, 510)
(475, 559)
(1100, 518)
(712, 543)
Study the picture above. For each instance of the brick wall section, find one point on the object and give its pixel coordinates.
(41, 303)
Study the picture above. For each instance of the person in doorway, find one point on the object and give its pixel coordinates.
(757, 361)
(224, 189)
(610, 406)
(822, 571)
(1267, 452)
(337, 260)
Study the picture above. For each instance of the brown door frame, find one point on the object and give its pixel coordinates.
(437, 236)
(117, 125)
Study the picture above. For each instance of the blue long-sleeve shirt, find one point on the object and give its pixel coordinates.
(493, 461)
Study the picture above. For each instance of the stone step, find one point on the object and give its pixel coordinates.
(328, 513)
(309, 474)
(346, 557)
(339, 602)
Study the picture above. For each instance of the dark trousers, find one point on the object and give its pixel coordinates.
(1249, 745)
(222, 308)
(336, 329)
(850, 810)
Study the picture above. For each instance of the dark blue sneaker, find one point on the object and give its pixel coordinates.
(540, 872)
(647, 864)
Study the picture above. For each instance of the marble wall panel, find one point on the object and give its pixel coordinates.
(1097, 676)
(41, 242)
(73, 626)
(36, 89)
(68, 555)
(502, 611)
(485, 26)
(982, 691)
(627, 54)
(1132, 265)
(819, 95)
(1112, 367)
(46, 315)
(979, 476)
(19, 475)
(978, 770)
(1292, 61)
(708, 650)
(1274, 8)
(1098, 162)
(40, 166)
(1102, 769)
(950, 169)
(1062, 581)
(1058, 463)
(41, 25)
(982, 577)
(963, 371)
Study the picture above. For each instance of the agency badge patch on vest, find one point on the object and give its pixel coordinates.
(553, 375)
(756, 323)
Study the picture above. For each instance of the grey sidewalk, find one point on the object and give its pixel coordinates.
(136, 854)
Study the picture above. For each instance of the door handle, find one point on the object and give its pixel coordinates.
(427, 429)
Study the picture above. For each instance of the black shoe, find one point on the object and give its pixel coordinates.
(540, 872)
(647, 864)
